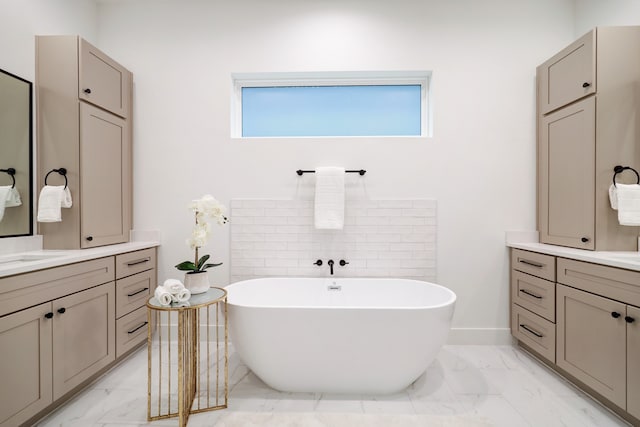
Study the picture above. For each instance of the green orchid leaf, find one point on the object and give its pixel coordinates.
(210, 265)
(202, 260)
(186, 265)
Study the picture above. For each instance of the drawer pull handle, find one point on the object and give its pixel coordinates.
(586, 84)
(140, 261)
(629, 319)
(615, 314)
(531, 294)
(135, 329)
(531, 263)
(137, 292)
(528, 329)
(62, 310)
(49, 315)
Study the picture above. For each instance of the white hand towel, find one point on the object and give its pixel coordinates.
(52, 198)
(329, 202)
(173, 285)
(162, 295)
(628, 204)
(613, 197)
(181, 296)
(4, 196)
(13, 199)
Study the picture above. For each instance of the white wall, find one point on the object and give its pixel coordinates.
(479, 166)
(593, 13)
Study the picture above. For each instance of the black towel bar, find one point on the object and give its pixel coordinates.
(61, 171)
(11, 172)
(618, 169)
(361, 171)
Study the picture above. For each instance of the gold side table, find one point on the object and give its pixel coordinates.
(187, 344)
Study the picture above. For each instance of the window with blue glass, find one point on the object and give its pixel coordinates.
(341, 110)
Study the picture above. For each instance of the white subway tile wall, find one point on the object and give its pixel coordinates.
(381, 238)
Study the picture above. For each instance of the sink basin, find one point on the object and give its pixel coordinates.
(27, 257)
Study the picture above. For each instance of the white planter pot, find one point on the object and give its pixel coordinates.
(197, 282)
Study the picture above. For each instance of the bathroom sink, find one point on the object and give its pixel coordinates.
(629, 256)
(27, 257)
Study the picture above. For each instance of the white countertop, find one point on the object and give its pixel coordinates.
(25, 262)
(627, 260)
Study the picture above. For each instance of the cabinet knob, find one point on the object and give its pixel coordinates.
(87, 90)
(615, 314)
(89, 238)
(629, 319)
(584, 239)
(48, 315)
(61, 310)
(586, 84)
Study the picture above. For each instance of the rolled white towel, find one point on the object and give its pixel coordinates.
(182, 296)
(163, 296)
(173, 285)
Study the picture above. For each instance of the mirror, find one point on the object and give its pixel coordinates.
(16, 127)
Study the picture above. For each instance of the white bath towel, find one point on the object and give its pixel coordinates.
(613, 197)
(13, 199)
(329, 202)
(4, 196)
(162, 295)
(173, 285)
(52, 198)
(181, 296)
(628, 204)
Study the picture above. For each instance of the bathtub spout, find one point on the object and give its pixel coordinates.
(331, 265)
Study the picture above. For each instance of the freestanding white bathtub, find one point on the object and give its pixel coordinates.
(372, 336)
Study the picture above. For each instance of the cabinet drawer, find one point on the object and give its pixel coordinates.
(534, 294)
(611, 282)
(132, 292)
(29, 289)
(131, 330)
(534, 331)
(539, 265)
(135, 262)
(569, 75)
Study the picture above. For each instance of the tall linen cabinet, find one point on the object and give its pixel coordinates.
(588, 123)
(83, 107)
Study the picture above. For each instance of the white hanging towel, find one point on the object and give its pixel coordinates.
(329, 203)
(613, 197)
(4, 197)
(52, 199)
(628, 196)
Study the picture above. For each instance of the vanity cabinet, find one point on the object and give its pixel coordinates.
(593, 313)
(83, 109)
(588, 123)
(63, 326)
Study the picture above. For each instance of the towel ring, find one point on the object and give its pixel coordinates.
(61, 171)
(618, 169)
(11, 172)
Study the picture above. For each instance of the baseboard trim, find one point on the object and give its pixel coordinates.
(480, 336)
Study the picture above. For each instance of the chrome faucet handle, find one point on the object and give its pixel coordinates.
(318, 262)
(343, 263)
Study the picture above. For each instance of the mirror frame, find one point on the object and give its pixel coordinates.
(31, 165)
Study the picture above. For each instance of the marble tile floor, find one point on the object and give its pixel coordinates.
(500, 383)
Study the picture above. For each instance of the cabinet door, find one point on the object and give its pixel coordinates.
(633, 361)
(569, 75)
(566, 176)
(83, 336)
(591, 341)
(102, 81)
(105, 156)
(25, 343)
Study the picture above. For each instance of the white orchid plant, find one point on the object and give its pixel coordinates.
(207, 207)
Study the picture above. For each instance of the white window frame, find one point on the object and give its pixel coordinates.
(352, 78)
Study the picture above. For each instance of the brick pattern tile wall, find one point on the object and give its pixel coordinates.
(381, 238)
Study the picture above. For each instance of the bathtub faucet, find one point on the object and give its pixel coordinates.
(330, 262)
